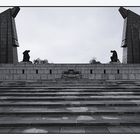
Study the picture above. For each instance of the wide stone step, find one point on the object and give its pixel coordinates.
(53, 87)
(71, 90)
(78, 120)
(71, 98)
(69, 87)
(64, 93)
(117, 129)
(68, 110)
(71, 103)
(68, 82)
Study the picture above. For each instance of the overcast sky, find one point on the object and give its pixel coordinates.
(70, 34)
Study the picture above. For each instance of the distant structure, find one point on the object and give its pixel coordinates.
(93, 61)
(131, 36)
(8, 36)
(39, 61)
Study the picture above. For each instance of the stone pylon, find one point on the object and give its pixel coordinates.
(131, 36)
(8, 36)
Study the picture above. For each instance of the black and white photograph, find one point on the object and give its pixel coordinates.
(69, 69)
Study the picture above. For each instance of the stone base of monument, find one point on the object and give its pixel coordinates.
(70, 107)
(22, 62)
(118, 62)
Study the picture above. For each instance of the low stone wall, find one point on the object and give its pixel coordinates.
(54, 71)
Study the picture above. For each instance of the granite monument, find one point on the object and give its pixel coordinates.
(8, 36)
(131, 36)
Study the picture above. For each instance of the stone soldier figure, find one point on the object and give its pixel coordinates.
(114, 57)
(26, 57)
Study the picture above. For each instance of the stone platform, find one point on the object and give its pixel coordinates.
(70, 107)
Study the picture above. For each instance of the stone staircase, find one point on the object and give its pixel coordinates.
(63, 106)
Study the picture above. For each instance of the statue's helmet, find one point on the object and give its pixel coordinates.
(26, 51)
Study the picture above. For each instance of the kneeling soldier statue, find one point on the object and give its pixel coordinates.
(114, 57)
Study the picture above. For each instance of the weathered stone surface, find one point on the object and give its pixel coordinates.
(130, 38)
(96, 130)
(120, 129)
(73, 130)
(28, 72)
(30, 109)
(8, 36)
(35, 130)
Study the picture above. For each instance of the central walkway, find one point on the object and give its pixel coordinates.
(70, 107)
